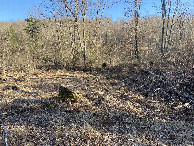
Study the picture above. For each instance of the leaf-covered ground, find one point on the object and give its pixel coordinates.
(117, 106)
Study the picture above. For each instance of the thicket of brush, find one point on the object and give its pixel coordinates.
(35, 43)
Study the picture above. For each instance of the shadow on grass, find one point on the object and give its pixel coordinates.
(34, 113)
(120, 125)
(160, 84)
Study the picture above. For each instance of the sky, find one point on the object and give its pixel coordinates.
(118, 11)
(13, 10)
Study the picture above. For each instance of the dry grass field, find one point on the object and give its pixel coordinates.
(111, 109)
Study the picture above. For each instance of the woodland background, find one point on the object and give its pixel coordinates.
(72, 34)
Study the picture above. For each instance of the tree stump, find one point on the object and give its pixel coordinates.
(66, 95)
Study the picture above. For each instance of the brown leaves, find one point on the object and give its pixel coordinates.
(112, 109)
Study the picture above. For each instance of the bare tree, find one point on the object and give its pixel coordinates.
(76, 12)
(163, 2)
(134, 9)
(137, 15)
(169, 25)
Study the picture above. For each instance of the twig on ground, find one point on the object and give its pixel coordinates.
(5, 133)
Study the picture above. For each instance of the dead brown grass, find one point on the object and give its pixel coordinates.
(108, 113)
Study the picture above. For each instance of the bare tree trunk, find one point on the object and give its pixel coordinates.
(136, 27)
(101, 5)
(84, 39)
(167, 26)
(163, 25)
(71, 31)
(134, 10)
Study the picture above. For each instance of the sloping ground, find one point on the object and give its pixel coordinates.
(116, 106)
